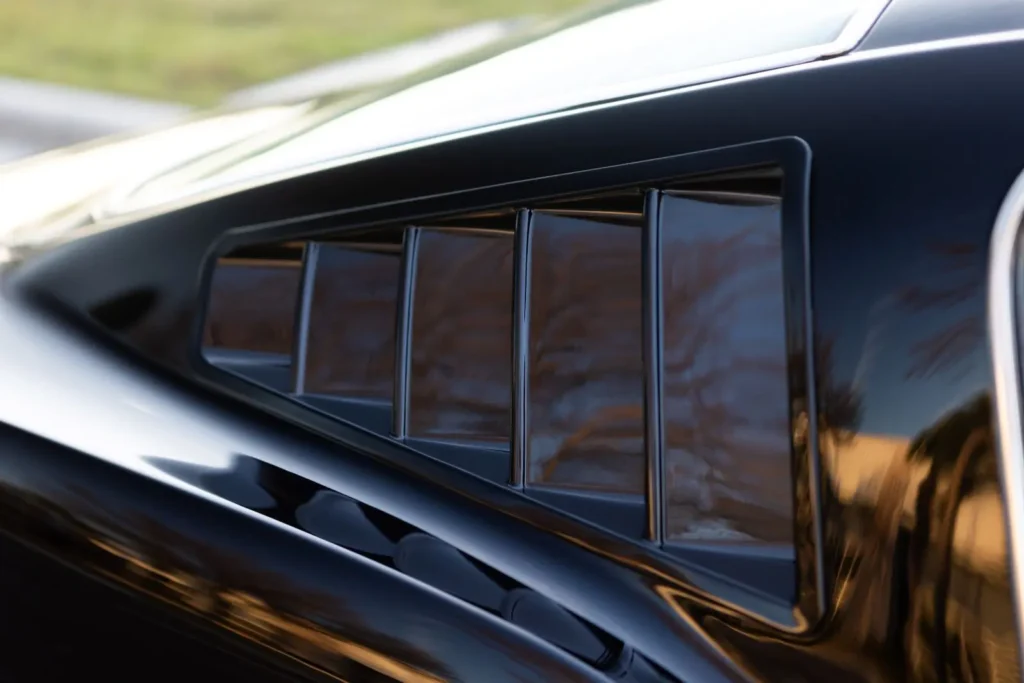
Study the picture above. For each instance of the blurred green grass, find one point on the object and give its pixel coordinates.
(196, 51)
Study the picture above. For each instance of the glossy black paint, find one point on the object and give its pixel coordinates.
(255, 435)
(912, 153)
(916, 21)
(775, 574)
(329, 610)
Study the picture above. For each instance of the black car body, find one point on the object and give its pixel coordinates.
(678, 344)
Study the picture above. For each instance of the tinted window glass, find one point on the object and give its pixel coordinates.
(351, 351)
(461, 367)
(726, 397)
(252, 307)
(585, 382)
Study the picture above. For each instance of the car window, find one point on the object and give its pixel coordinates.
(515, 344)
(460, 375)
(585, 398)
(726, 395)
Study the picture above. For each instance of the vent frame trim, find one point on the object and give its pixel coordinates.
(791, 154)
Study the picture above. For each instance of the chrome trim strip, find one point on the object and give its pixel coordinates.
(521, 350)
(403, 333)
(654, 366)
(310, 257)
(1004, 341)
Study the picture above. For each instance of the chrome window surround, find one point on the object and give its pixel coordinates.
(1004, 298)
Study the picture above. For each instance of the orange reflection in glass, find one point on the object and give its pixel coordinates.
(585, 358)
(726, 397)
(252, 307)
(461, 371)
(351, 350)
